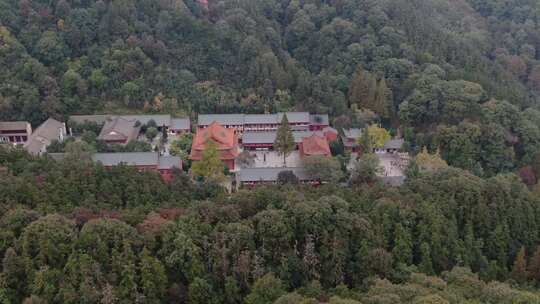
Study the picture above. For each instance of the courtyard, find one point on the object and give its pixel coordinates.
(272, 159)
(393, 164)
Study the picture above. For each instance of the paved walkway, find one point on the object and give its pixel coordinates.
(272, 159)
(393, 164)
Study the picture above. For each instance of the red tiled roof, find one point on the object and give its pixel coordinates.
(315, 145)
(225, 139)
(331, 134)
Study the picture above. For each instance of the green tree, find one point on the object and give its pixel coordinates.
(322, 168)
(519, 269)
(534, 265)
(210, 166)
(403, 247)
(127, 287)
(201, 292)
(364, 141)
(383, 100)
(287, 177)
(153, 278)
(365, 170)
(13, 278)
(47, 242)
(362, 89)
(284, 143)
(266, 290)
(182, 146)
(151, 133)
(426, 265)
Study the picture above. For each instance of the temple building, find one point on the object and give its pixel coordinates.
(314, 145)
(15, 132)
(226, 141)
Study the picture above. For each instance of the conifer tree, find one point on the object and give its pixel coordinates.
(534, 265)
(127, 288)
(358, 88)
(365, 141)
(402, 245)
(426, 265)
(266, 290)
(153, 278)
(200, 292)
(284, 143)
(519, 270)
(383, 96)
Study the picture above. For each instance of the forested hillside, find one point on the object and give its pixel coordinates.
(73, 232)
(458, 77)
(450, 73)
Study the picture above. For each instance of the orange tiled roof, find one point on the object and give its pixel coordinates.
(315, 145)
(225, 139)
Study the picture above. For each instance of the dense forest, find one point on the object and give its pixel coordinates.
(73, 232)
(456, 77)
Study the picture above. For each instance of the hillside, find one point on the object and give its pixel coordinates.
(445, 71)
(456, 81)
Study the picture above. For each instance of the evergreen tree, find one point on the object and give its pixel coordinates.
(284, 143)
(233, 294)
(266, 290)
(361, 89)
(14, 278)
(164, 134)
(153, 278)
(383, 98)
(426, 265)
(402, 251)
(200, 292)
(365, 142)
(519, 270)
(127, 288)
(534, 265)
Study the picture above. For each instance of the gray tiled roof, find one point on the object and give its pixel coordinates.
(352, 133)
(160, 119)
(241, 119)
(268, 174)
(128, 158)
(295, 117)
(48, 131)
(99, 119)
(180, 124)
(259, 137)
(394, 144)
(119, 128)
(261, 119)
(319, 119)
(169, 162)
(13, 125)
(224, 119)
